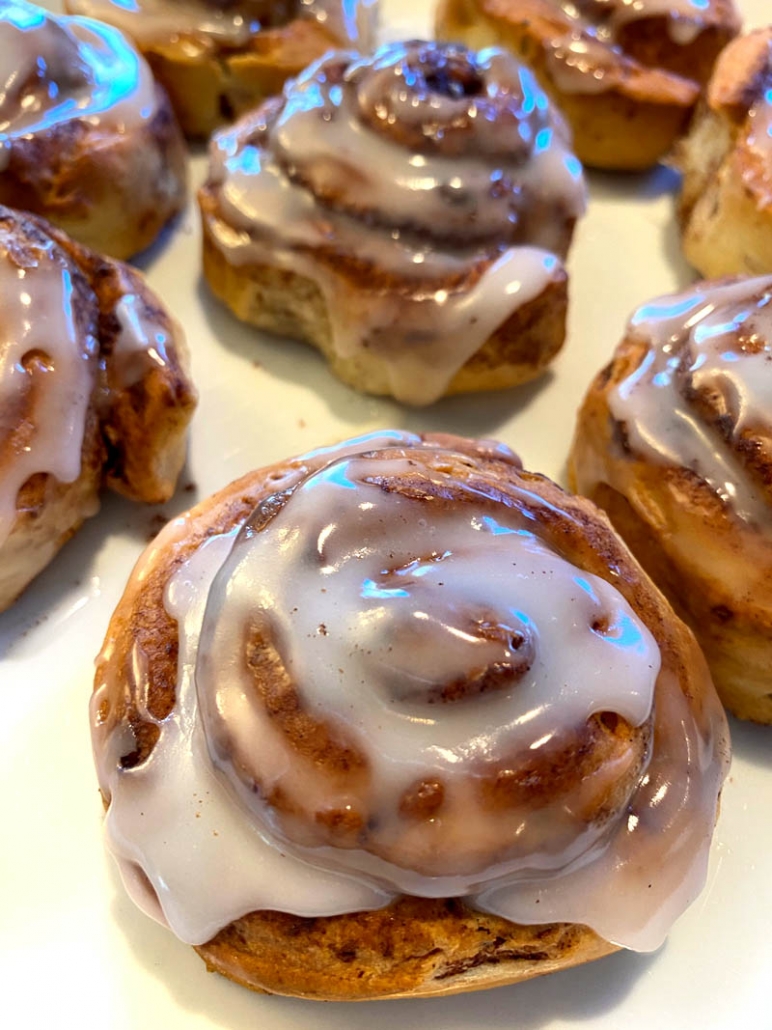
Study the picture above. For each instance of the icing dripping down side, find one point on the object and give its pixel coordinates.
(328, 181)
(713, 338)
(46, 374)
(56, 69)
(359, 586)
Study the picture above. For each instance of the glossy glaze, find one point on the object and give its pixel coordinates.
(713, 338)
(348, 22)
(588, 58)
(377, 602)
(442, 176)
(54, 70)
(47, 372)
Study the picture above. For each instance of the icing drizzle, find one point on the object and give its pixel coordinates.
(47, 371)
(586, 59)
(56, 69)
(348, 22)
(713, 338)
(443, 170)
(375, 602)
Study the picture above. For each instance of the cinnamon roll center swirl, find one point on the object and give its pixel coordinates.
(397, 677)
(445, 100)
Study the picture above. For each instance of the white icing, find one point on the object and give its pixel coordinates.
(141, 341)
(685, 19)
(193, 819)
(349, 22)
(759, 127)
(588, 57)
(321, 177)
(371, 600)
(46, 371)
(55, 69)
(696, 341)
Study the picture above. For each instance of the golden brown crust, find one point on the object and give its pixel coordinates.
(289, 304)
(725, 209)
(415, 947)
(210, 84)
(111, 189)
(134, 440)
(714, 569)
(653, 83)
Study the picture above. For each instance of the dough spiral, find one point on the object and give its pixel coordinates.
(674, 441)
(218, 59)
(724, 207)
(403, 666)
(93, 389)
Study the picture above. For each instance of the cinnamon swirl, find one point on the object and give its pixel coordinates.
(406, 213)
(398, 718)
(220, 58)
(625, 74)
(726, 160)
(673, 441)
(93, 390)
(87, 139)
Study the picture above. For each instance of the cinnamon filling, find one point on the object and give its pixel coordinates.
(427, 191)
(324, 763)
(56, 69)
(701, 394)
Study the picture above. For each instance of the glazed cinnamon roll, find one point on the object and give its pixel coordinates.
(220, 58)
(398, 718)
(93, 391)
(726, 162)
(673, 441)
(407, 214)
(87, 139)
(625, 74)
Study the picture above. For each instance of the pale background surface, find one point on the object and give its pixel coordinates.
(72, 946)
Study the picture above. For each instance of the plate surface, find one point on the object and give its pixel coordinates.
(71, 944)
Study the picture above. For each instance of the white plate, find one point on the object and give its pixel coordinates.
(72, 946)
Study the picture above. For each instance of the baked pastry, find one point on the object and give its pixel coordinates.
(397, 718)
(94, 391)
(725, 209)
(220, 58)
(406, 214)
(673, 440)
(87, 138)
(626, 75)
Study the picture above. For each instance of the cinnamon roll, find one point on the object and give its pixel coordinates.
(87, 138)
(625, 74)
(726, 160)
(219, 58)
(397, 718)
(407, 214)
(93, 390)
(673, 441)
